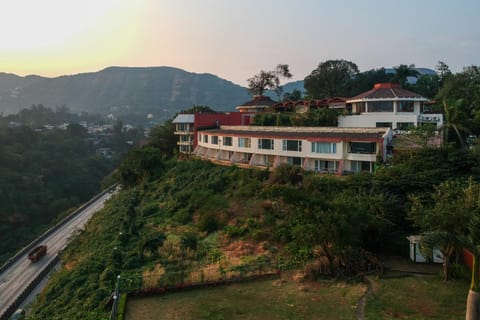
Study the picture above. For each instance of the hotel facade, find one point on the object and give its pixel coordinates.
(321, 149)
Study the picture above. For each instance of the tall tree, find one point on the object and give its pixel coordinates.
(441, 218)
(295, 95)
(460, 96)
(402, 72)
(332, 78)
(268, 80)
(365, 81)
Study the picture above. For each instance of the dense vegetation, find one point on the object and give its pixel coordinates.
(180, 216)
(45, 173)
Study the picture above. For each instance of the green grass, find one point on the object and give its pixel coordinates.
(424, 297)
(266, 299)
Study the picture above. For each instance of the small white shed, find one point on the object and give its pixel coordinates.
(417, 256)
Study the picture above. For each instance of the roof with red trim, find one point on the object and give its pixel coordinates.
(387, 91)
(259, 101)
(309, 135)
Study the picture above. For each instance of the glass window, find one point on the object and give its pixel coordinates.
(324, 147)
(405, 106)
(214, 139)
(227, 141)
(268, 159)
(360, 107)
(296, 161)
(359, 166)
(205, 138)
(363, 147)
(383, 125)
(380, 106)
(292, 145)
(326, 166)
(404, 125)
(265, 144)
(244, 142)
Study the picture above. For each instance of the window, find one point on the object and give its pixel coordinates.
(296, 161)
(405, 106)
(326, 166)
(246, 157)
(268, 160)
(244, 142)
(383, 125)
(358, 166)
(292, 145)
(205, 138)
(227, 141)
(324, 147)
(265, 144)
(363, 147)
(184, 138)
(214, 139)
(404, 125)
(183, 127)
(380, 106)
(360, 107)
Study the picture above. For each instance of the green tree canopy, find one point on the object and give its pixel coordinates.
(268, 80)
(332, 78)
(402, 72)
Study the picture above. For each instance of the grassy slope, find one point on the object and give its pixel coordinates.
(142, 230)
(417, 298)
(268, 299)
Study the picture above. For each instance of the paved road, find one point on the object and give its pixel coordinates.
(19, 275)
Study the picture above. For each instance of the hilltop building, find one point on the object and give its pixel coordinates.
(258, 104)
(187, 125)
(388, 105)
(363, 137)
(322, 149)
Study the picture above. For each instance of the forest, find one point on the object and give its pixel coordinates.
(44, 174)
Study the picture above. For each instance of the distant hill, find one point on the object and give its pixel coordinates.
(161, 91)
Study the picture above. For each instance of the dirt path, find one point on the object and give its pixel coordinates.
(361, 303)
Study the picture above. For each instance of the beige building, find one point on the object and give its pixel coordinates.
(321, 149)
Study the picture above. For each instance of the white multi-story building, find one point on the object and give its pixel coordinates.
(388, 105)
(321, 149)
(184, 129)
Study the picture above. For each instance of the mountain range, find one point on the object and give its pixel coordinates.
(122, 91)
(131, 93)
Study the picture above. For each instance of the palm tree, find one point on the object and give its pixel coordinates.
(454, 119)
(402, 72)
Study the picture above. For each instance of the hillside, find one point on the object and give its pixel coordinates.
(178, 220)
(161, 91)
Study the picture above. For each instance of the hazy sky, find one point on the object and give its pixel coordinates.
(235, 39)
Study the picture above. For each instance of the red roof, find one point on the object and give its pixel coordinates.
(387, 91)
(259, 101)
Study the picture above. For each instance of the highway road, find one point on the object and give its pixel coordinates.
(20, 274)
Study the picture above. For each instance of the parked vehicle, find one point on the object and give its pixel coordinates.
(37, 253)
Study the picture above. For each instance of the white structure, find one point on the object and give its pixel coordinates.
(322, 149)
(388, 105)
(184, 124)
(417, 256)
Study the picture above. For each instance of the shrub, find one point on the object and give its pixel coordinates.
(208, 222)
